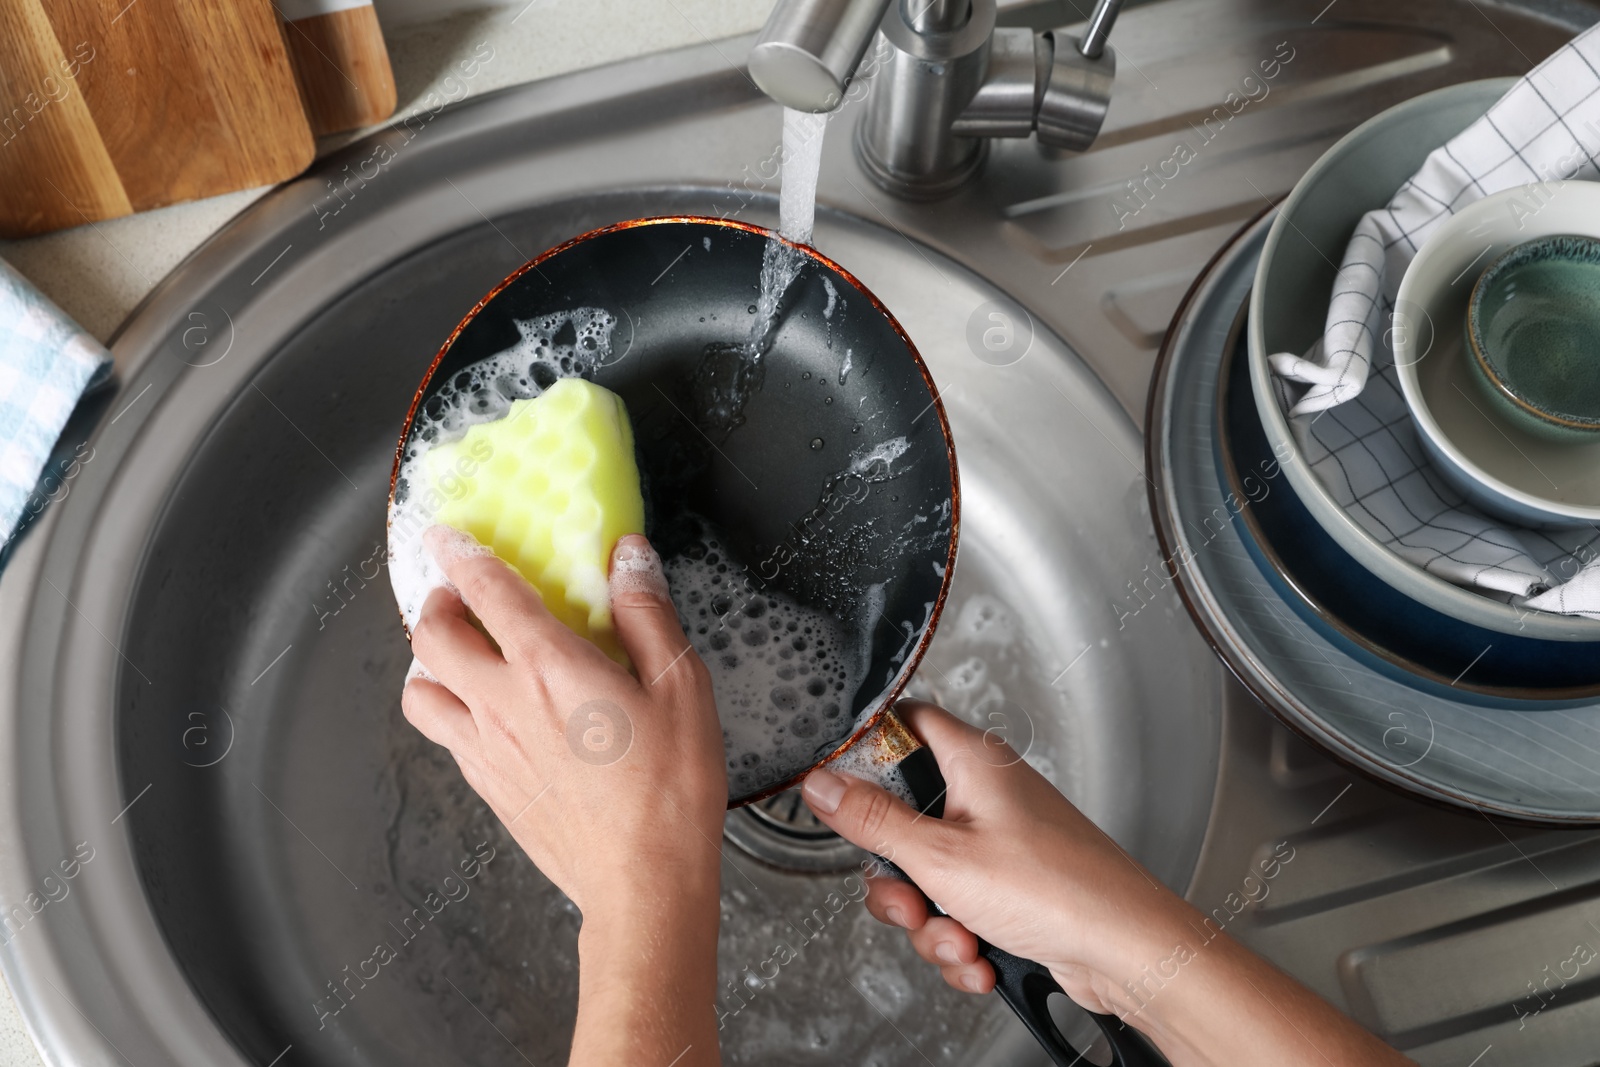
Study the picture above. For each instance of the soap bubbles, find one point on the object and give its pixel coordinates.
(785, 674)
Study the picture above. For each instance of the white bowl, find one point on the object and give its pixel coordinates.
(1499, 466)
(1289, 305)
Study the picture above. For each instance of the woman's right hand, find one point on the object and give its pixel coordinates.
(1013, 862)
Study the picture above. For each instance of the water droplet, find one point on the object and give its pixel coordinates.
(751, 309)
(827, 400)
(816, 444)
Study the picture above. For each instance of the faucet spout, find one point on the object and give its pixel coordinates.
(809, 50)
(949, 80)
(935, 16)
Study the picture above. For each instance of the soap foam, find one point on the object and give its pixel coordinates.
(864, 761)
(447, 545)
(784, 674)
(865, 461)
(566, 344)
(636, 568)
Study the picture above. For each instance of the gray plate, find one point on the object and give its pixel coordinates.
(1538, 766)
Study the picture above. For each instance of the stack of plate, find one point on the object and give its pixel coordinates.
(1419, 683)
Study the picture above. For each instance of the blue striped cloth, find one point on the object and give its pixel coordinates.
(47, 361)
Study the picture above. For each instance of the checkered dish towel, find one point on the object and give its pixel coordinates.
(1352, 424)
(46, 363)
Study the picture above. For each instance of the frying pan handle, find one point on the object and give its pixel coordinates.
(1024, 985)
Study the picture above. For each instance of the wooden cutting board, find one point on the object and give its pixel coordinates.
(109, 107)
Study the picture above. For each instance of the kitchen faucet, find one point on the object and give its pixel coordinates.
(949, 80)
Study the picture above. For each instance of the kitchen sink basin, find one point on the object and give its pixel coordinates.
(202, 658)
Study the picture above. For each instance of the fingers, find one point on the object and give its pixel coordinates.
(509, 608)
(440, 716)
(449, 647)
(948, 737)
(979, 765)
(642, 611)
(975, 977)
(896, 903)
(868, 816)
(938, 939)
(943, 941)
(953, 948)
(417, 670)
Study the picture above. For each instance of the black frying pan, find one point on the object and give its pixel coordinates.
(764, 449)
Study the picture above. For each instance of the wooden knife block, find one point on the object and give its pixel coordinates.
(109, 107)
(344, 70)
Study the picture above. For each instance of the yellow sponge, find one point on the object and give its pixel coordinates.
(554, 484)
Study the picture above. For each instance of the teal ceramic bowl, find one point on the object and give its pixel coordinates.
(1533, 327)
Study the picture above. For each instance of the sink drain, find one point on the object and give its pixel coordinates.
(781, 831)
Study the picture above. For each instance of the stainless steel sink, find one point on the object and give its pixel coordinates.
(202, 661)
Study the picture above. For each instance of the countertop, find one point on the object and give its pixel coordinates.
(100, 272)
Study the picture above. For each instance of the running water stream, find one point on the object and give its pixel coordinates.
(802, 160)
(797, 213)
